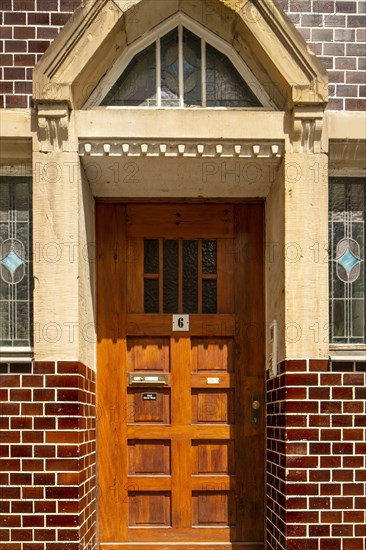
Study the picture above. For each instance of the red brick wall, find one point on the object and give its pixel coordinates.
(316, 469)
(334, 29)
(316, 450)
(27, 28)
(47, 464)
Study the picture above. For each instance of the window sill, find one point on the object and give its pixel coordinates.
(347, 352)
(16, 355)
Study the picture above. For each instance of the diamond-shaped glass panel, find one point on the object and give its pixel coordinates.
(12, 261)
(348, 260)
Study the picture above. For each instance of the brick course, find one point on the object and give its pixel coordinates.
(47, 464)
(334, 29)
(316, 467)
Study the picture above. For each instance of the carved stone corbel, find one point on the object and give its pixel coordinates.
(306, 129)
(53, 125)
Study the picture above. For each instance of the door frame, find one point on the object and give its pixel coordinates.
(115, 323)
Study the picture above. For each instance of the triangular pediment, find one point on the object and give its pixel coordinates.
(102, 34)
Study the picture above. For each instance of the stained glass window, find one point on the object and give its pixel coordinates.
(137, 84)
(180, 69)
(15, 262)
(347, 206)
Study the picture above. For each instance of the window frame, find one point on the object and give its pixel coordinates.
(15, 354)
(346, 350)
(181, 21)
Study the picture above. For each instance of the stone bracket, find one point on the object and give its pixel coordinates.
(306, 129)
(53, 124)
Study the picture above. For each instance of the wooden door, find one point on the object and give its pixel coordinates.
(180, 413)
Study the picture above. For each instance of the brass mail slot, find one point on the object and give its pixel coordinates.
(147, 379)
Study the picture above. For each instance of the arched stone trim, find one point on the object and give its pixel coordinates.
(100, 31)
(179, 19)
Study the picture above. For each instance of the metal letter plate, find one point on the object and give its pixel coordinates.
(148, 379)
(180, 323)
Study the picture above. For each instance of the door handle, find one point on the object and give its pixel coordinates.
(256, 405)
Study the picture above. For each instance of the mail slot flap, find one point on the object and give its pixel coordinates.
(148, 379)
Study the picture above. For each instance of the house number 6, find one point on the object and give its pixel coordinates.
(180, 323)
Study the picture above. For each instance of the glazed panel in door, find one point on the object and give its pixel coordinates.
(180, 445)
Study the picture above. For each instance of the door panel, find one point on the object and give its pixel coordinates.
(180, 458)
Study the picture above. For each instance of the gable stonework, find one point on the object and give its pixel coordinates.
(334, 30)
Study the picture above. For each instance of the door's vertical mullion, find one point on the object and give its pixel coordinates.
(161, 277)
(180, 276)
(225, 273)
(199, 275)
(181, 416)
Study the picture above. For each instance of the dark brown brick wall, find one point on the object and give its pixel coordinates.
(316, 469)
(47, 457)
(334, 29)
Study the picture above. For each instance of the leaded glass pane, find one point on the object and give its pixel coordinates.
(347, 257)
(338, 321)
(192, 69)
(190, 276)
(172, 66)
(151, 256)
(22, 235)
(137, 85)
(338, 286)
(4, 321)
(22, 202)
(338, 202)
(151, 296)
(22, 323)
(4, 231)
(209, 262)
(4, 203)
(357, 318)
(209, 296)
(170, 276)
(15, 262)
(358, 287)
(225, 86)
(357, 202)
(4, 291)
(170, 70)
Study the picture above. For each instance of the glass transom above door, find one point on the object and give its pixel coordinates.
(180, 69)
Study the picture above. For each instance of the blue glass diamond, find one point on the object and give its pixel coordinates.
(348, 260)
(12, 261)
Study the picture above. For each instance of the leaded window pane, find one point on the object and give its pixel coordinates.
(190, 276)
(192, 74)
(15, 262)
(180, 69)
(347, 206)
(169, 70)
(137, 84)
(225, 86)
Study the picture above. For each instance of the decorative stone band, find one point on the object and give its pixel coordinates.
(210, 149)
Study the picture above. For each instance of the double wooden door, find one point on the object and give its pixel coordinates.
(180, 376)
